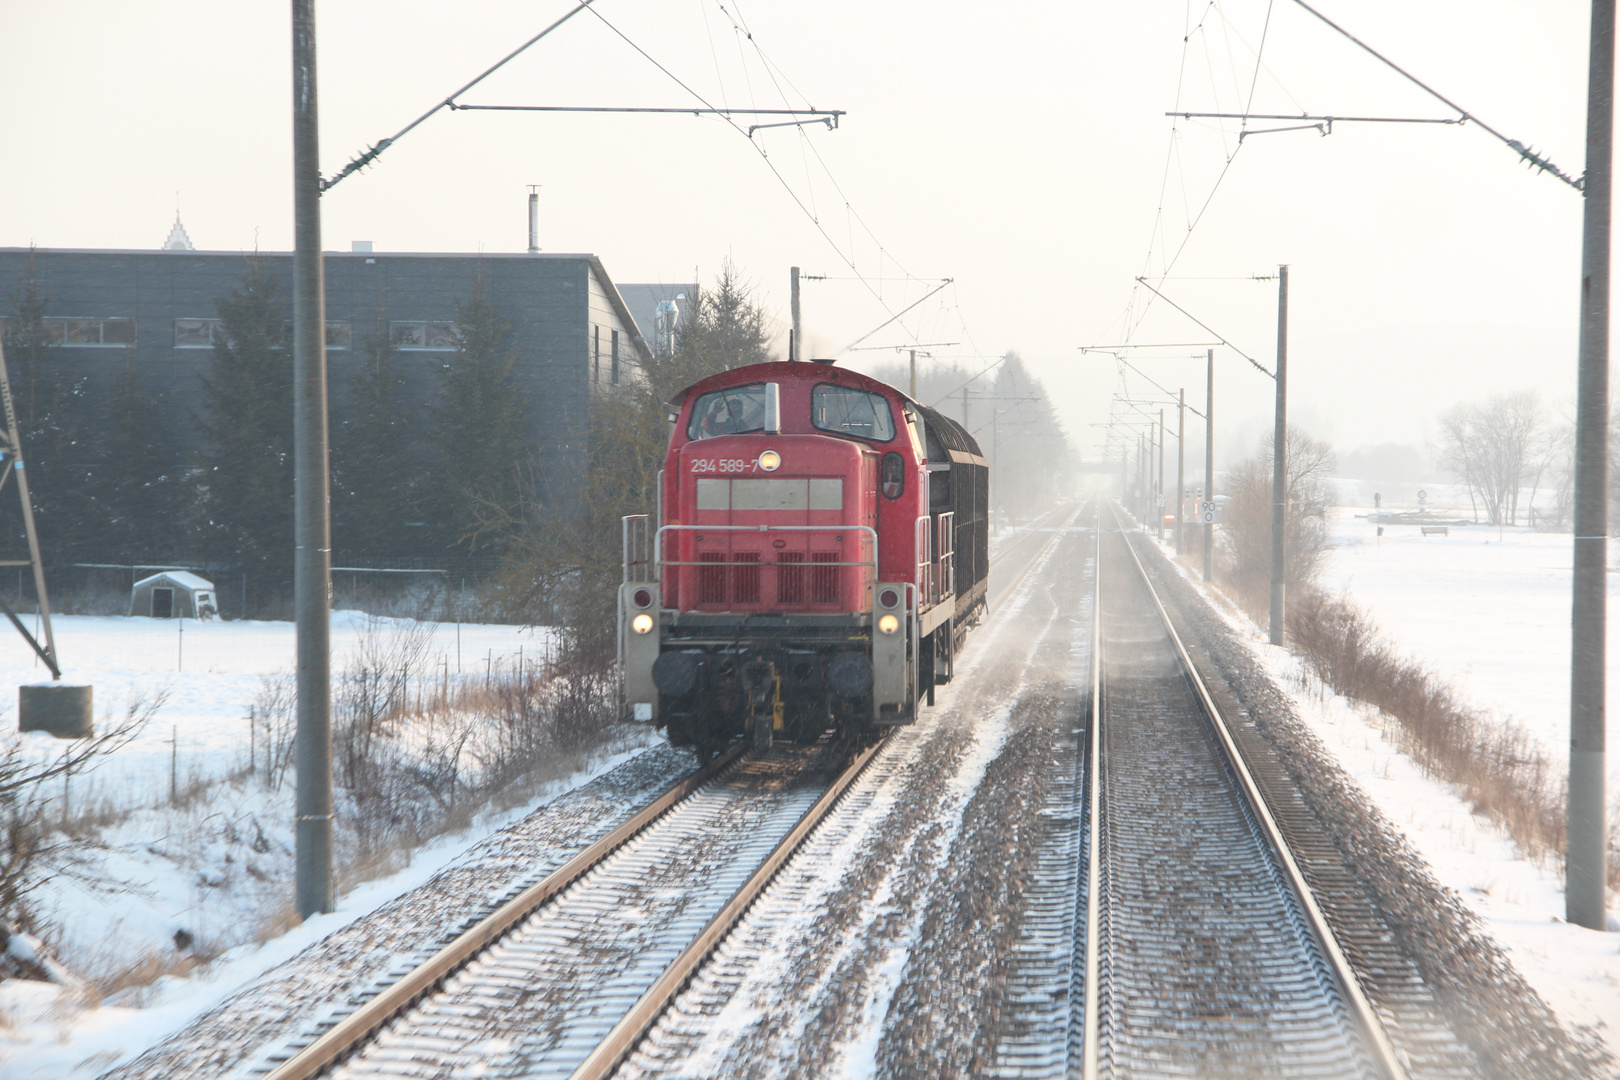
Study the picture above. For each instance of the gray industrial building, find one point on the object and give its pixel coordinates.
(572, 332)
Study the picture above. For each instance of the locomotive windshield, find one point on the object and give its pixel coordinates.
(851, 412)
(731, 411)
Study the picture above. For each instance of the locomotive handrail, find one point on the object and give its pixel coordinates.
(945, 554)
(922, 545)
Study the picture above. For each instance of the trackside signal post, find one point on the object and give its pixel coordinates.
(312, 555)
(1585, 857)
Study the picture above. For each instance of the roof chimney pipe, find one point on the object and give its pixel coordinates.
(534, 219)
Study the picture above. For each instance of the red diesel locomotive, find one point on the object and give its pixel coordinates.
(817, 556)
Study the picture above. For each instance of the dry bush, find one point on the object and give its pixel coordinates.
(1500, 770)
(1244, 544)
(129, 980)
(416, 758)
(33, 848)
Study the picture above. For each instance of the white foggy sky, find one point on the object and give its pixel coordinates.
(1018, 148)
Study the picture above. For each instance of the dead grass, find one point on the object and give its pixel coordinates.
(129, 980)
(278, 921)
(1495, 765)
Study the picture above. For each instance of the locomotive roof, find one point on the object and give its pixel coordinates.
(776, 369)
(950, 434)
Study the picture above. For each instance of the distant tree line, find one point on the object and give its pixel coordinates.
(412, 481)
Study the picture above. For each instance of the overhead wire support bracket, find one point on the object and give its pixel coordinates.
(830, 121)
(1258, 365)
(1526, 153)
(829, 117)
(895, 316)
(371, 153)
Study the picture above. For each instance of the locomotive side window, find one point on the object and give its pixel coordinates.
(851, 412)
(939, 488)
(892, 475)
(732, 411)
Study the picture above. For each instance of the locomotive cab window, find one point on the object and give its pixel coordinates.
(851, 412)
(732, 411)
(892, 475)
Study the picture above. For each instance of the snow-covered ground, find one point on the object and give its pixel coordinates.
(212, 673)
(214, 865)
(1488, 609)
(52, 1031)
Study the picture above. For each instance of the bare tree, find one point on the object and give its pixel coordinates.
(34, 848)
(1245, 536)
(564, 570)
(1495, 448)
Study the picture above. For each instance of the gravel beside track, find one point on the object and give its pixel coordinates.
(1422, 958)
(802, 986)
(292, 1004)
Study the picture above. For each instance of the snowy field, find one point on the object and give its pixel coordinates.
(212, 865)
(213, 673)
(1487, 608)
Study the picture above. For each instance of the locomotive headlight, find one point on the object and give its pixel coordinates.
(642, 623)
(889, 624)
(770, 461)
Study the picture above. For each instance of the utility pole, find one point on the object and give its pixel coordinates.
(995, 461)
(913, 374)
(1279, 461)
(1585, 903)
(311, 524)
(965, 425)
(1158, 496)
(1209, 465)
(796, 335)
(1181, 462)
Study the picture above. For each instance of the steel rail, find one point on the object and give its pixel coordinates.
(634, 1025)
(1362, 1012)
(1093, 1013)
(354, 1029)
(1017, 540)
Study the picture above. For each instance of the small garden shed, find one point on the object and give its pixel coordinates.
(174, 594)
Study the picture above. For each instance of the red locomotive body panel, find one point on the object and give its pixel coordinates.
(832, 491)
(799, 504)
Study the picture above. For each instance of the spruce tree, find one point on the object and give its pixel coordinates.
(479, 427)
(374, 461)
(135, 482)
(50, 402)
(245, 486)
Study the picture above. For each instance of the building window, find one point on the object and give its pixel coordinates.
(615, 375)
(596, 354)
(337, 335)
(197, 333)
(425, 336)
(89, 333)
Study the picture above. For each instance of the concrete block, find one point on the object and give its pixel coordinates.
(63, 709)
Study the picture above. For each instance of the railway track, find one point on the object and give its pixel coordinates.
(565, 978)
(564, 969)
(1203, 945)
(1172, 932)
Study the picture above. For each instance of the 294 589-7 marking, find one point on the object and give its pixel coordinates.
(722, 465)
